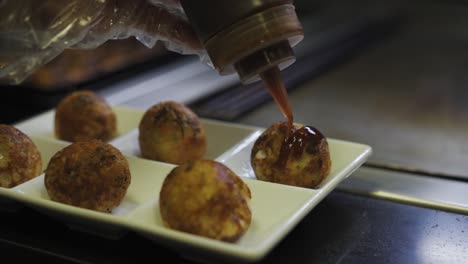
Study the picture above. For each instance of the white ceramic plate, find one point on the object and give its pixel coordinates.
(276, 208)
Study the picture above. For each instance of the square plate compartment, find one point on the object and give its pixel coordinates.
(228, 143)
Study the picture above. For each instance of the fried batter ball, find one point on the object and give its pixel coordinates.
(299, 158)
(171, 132)
(89, 174)
(84, 115)
(206, 198)
(20, 160)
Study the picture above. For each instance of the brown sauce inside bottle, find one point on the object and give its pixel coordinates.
(295, 139)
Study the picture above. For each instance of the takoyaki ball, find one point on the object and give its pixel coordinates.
(89, 174)
(170, 132)
(84, 115)
(300, 158)
(206, 198)
(20, 160)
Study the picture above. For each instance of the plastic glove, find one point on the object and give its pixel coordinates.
(34, 32)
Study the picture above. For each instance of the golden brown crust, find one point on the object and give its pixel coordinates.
(84, 115)
(89, 174)
(171, 132)
(206, 198)
(305, 166)
(20, 159)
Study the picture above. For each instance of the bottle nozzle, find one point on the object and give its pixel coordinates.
(279, 55)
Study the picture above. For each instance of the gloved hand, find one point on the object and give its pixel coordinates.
(34, 32)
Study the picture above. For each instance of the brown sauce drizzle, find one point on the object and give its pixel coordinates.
(295, 142)
(275, 85)
(295, 139)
